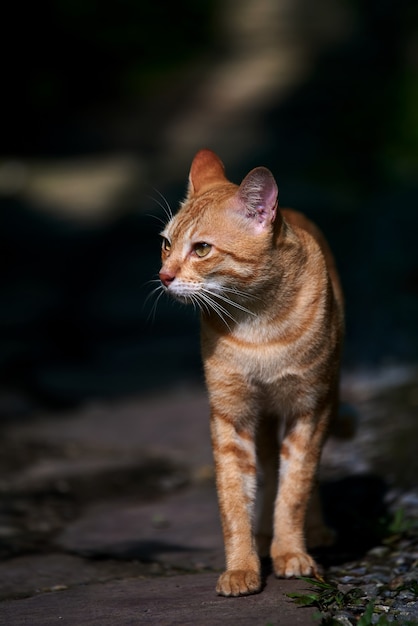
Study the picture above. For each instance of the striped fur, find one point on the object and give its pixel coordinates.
(271, 333)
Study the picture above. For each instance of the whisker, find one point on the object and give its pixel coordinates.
(200, 304)
(154, 291)
(165, 206)
(241, 294)
(157, 217)
(159, 289)
(152, 280)
(166, 202)
(230, 302)
(207, 298)
(223, 314)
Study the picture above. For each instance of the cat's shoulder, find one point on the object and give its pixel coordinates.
(297, 220)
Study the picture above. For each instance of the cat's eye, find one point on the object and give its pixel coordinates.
(166, 245)
(202, 249)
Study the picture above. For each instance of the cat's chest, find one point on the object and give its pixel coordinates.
(263, 362)
(255, 354)
(271, 371)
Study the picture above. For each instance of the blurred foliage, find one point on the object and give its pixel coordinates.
(402, 147)
(363, 98)
(66, 59)
(66, 56)
(80, 77)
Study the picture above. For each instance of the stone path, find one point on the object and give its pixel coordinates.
(185, 600)
(109, 516)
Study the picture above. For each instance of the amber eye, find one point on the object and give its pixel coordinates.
(202, 249)
(166, 245)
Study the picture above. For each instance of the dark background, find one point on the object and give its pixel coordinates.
(143, 83)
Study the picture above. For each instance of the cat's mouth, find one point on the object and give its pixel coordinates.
(209, 298)
(180, 297)
(185, 292)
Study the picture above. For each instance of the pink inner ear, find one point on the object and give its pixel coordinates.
(258, 193)
(207, 169)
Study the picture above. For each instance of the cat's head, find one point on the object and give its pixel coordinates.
(215, 248)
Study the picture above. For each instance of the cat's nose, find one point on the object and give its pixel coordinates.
(166, 278)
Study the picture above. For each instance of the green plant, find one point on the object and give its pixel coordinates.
(366, 619)
(326, 596)
(396, 526)
(329, 599)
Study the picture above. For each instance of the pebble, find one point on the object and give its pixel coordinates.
(343, 618)
(382, 578)
(8, 531)
(358, 571)
(379, 551)
(377, 577)
(347, 580)
(406, 595)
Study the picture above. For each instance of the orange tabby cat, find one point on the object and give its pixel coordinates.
(271, 332)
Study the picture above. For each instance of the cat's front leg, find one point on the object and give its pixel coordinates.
(299, 456)
(235, 465)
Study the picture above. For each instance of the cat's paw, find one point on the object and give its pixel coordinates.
(291, 564)
(238, 582)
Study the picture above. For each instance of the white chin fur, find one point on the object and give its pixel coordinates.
(183, 291)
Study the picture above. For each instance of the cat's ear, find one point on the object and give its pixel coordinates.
(207, 170)
(258, 196)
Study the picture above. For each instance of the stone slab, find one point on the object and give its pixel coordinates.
(181, 530)
(188, 600)
(40, 573)
(172, 424)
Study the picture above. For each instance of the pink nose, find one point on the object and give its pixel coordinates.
(166, 278)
